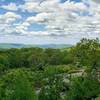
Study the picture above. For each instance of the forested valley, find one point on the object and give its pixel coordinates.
(51, 74)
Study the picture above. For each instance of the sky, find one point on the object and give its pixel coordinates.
(49, 21)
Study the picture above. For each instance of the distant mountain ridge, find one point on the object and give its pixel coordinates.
(15, 45)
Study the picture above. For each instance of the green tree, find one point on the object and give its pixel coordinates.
(87, 53)
(53, 56)
(98, 98)
(67, 57)
(15, 85)
(52, 88)
(83, 88)
(37, 60)
(4, 63)
(22, 89)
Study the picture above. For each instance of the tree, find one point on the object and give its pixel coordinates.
(83, 88)
(87, 53)
(98, 98)
(4, 63)
(53, 56)
(16, 86)
(67, 57)
(37, 59)
(22, 89)
(53, 88)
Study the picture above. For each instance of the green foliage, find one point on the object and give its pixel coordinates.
(87, 53)
(37, 59)
(53, 56)
(2, 68)
(45, 74)
(15, 86)
(98, 98)
(83, 88)
(52, 89)
(53, 70)
(22, 90)
(67, 57)
(4, 62)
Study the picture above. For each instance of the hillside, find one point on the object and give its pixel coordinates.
(51, 74)
(14, 45)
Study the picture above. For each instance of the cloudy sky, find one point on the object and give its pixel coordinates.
(48, 21)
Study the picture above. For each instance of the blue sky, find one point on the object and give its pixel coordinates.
(48, 21)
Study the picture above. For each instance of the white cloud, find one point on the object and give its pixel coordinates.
(30, 7)
(39, 18)
(74, 6)
(39, 33)
(69, 18)
(97, 1)
(61, 18)
(6, 22)
(40, 5)
(11, 6)
(9, 17)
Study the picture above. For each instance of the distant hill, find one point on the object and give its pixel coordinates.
(11, 45)
(14, 45)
